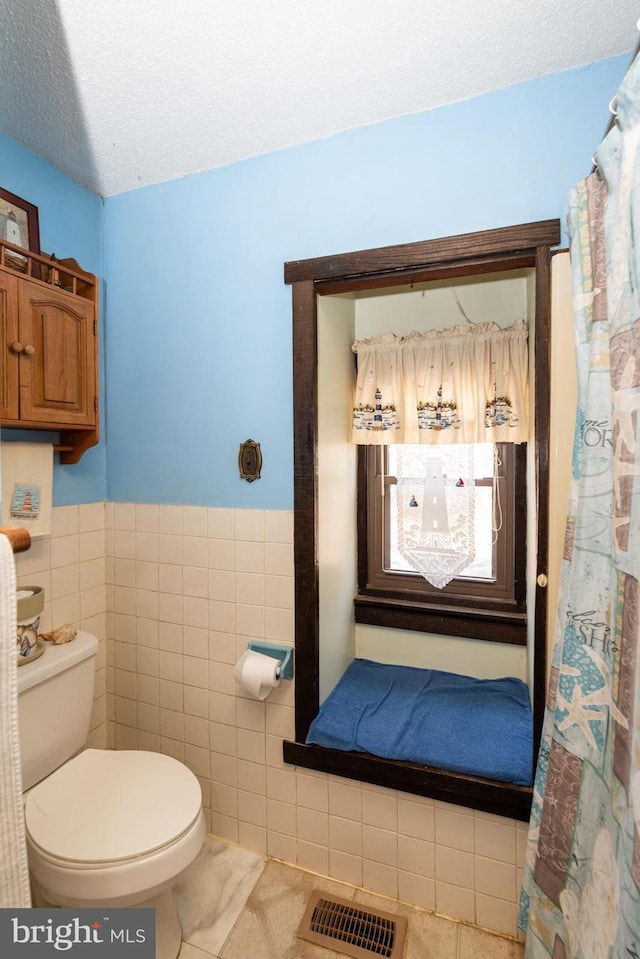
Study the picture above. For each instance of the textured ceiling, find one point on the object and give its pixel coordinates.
(123, 93)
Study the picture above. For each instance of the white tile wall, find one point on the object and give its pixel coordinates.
(179, 591)
(70, 566)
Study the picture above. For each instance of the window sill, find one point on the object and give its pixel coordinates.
(489, 625)
(486, 795)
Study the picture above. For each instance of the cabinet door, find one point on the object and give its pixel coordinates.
(57, 365)
(8, 337)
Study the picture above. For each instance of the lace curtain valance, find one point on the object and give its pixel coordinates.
(461, 385)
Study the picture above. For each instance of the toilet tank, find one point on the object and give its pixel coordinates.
(55, 698)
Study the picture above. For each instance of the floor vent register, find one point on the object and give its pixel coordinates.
(340, 925)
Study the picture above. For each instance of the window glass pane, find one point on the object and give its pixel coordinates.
(482, 566)
(424, 466)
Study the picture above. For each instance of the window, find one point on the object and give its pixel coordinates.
(459, 498)
(527, 246)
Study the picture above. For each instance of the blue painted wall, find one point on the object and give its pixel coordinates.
(196, 317)
(199, 322)
(71, 224)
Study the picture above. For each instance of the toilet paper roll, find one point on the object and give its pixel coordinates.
(257, 673)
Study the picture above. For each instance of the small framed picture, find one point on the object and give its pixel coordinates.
(19, 225)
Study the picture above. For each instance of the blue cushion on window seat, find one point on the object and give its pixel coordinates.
(482, 727)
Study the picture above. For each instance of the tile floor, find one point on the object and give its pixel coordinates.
(235, 904)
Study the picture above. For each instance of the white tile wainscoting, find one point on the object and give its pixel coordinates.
(175, 593)
(70, 565)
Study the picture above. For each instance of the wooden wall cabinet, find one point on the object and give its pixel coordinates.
(49, 344)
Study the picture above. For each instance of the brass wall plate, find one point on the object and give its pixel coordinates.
(250, 460)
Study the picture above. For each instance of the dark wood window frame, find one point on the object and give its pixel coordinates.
(510, 248)
(495, 612)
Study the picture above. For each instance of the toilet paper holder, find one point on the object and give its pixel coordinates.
(283, 653)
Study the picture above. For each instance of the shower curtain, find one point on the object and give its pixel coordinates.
(581, 891)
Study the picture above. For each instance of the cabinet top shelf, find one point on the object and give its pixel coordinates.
(66, 275)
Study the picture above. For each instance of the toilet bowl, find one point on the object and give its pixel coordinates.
(105, 828)
(115, 829)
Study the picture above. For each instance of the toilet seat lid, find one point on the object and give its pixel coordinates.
(106, 805)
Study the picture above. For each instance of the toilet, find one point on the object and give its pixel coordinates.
(107, 828)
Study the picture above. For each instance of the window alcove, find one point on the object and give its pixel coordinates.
(326, 582)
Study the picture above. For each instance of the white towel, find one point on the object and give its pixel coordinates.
(14, 869)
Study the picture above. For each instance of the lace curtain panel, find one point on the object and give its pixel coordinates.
(460, 385)
(435, 506)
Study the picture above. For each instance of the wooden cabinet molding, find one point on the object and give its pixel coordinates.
(48, 338)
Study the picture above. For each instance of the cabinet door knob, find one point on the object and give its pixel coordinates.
(29, 350)
(17, 347)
